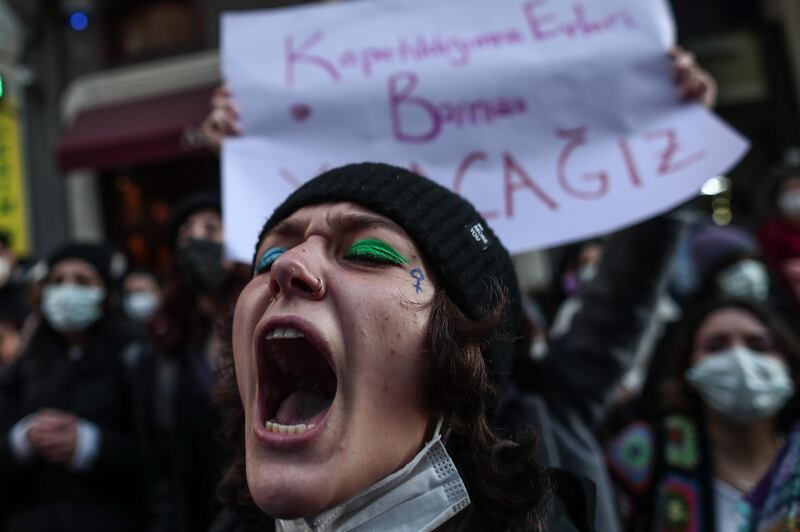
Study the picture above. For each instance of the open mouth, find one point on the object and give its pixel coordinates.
(297, 384)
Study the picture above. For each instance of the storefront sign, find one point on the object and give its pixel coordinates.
(13, 215)
(558, 119)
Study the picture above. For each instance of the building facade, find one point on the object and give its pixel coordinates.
(112, 93)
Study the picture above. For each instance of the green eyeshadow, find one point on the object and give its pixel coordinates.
(375, 250)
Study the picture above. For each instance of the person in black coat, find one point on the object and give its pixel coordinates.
(184, 455)
(68, 448)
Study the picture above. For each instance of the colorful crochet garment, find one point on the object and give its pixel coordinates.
(774, 506)
(630, 456)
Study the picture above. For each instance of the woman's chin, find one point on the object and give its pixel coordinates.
(284, 499)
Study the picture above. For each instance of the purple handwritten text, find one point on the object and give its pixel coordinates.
(403, 101)
(457, 51)
(546, 26)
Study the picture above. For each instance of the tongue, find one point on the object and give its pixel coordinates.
(300, 407)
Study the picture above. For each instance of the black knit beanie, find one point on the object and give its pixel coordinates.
(189, 205)
(102, 257)
(455, 240)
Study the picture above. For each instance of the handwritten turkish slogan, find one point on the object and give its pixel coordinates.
(558, 119)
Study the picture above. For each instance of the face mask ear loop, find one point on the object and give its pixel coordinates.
(437, 431)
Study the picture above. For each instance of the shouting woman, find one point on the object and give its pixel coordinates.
(366, 349)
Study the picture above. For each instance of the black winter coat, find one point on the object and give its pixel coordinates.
(98, 386)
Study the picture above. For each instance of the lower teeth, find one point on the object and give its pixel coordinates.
(278, 428)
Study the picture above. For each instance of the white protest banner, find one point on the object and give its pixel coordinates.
(558, 119)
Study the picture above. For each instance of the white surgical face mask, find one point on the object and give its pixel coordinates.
(741, 384)
(421, 496)
(746, 279)
(789, 203)
(587, 272)
(72, 308)
(140, 305)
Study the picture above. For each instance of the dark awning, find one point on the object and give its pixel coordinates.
(136, 132)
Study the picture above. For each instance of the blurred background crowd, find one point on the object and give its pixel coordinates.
(113, 284)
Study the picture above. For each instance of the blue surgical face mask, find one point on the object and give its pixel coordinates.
(140, 305)
(72, 308)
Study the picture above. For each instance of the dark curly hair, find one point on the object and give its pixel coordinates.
(179, 320)
(509, 489)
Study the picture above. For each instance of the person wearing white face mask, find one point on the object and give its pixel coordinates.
(728, 264)
(729, 401)
(67, 429)
(747, 278)
(141, 295)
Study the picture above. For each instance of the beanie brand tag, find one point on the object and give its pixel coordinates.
(478, 234)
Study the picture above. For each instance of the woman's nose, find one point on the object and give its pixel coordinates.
(293, 274)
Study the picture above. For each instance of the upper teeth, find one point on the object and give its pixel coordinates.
(284, 332)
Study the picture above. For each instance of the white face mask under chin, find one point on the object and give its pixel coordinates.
(742, 385)
(421, 496)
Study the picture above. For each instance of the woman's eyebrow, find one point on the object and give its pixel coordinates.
(290, 227)
(356, 221)
(343, 222)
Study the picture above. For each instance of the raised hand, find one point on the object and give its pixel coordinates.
(694, 83)
(223, 120)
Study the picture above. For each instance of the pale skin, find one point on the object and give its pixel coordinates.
(53, 433)
(741, 453)
(694, 83)
(9, 342)
(9, 254)
(205, 224)
(373, 325)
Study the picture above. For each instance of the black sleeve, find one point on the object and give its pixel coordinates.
(10, 394)
(11, 382)
(228, 521)
(573, 505)
(586, 363)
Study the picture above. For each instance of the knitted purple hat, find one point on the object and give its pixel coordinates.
(714, 246)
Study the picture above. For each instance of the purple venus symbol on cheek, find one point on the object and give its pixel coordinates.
(419, 276)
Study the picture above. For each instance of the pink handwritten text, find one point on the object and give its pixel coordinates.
(456, 51)
(576, 138)
(661, 153)
(547, 26)
(460, 114)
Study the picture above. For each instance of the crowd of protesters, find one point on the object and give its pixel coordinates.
(652, 386)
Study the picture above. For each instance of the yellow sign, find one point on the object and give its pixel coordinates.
(13, 207)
